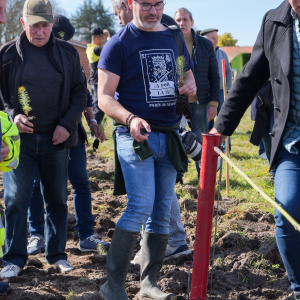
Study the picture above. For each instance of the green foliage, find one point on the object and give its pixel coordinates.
(89, 15)
(181, 70)
(226, 39)
(24, 100)
(239, 61)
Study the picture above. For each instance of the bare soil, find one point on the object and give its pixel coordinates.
(247, 264)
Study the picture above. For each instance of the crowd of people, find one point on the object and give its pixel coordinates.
(133, 81)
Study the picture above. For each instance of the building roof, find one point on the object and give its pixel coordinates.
(232, 52)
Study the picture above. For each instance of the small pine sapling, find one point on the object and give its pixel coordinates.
(25, 103)
(182, 101)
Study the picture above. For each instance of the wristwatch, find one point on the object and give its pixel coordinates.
(91, 120)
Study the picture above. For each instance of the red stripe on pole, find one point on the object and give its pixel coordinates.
(204, 216)
(223, 68)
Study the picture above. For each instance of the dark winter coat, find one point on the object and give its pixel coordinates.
(260, 108)
(73, 94)
(272, 57)
(206, 71)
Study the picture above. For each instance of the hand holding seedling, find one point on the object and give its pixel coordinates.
(24, 126)
(189, 88)
(135, 129)
(21, 121)
(60, 135)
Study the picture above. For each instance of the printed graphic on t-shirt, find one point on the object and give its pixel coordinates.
(159, 75)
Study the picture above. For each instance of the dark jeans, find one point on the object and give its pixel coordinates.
(267, 139)
(218, 110)
(52, 161)
(81, 195)
(287, 190)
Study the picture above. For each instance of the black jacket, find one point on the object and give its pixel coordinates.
(272, 57)
(65, 58)
(260, 109)
(206, 71)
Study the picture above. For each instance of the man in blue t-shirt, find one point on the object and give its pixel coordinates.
(139, 64)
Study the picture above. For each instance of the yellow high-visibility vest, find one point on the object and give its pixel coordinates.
(11, 137)
(2, 236)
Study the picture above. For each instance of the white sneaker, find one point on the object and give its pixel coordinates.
(64, 266)
(9, 271)
(137, 258)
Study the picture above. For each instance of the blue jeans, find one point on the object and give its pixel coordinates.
(287, 190)
(149, 184)
(36, 148)
(199, 123)
(221, 101)
(177, 232)
(81, 195)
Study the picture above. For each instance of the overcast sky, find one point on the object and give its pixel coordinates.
(242, 18)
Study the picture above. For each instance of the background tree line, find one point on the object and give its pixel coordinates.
(90, 14)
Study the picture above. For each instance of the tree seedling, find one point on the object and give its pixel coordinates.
(25, 103)
(182, 102)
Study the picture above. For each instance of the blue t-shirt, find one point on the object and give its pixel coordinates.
(145, 62)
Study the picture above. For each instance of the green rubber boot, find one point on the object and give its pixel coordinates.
(152, 259)
(117, 264)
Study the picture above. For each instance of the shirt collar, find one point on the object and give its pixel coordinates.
(294, 15)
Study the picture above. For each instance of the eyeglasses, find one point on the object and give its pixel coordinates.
(148, 6)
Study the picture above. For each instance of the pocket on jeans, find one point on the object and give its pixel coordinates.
(124, 147)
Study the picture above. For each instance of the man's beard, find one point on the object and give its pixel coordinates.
(147, 25)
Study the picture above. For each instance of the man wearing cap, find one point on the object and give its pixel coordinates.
(204, 104)
(139, 63)
(51, 73)
(93, 53)
(212, 35)
(63, 29)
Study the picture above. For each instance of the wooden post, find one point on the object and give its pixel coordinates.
(227, 140)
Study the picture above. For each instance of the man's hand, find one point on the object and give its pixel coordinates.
(98, 131)
(60, 135)
(189, 89)
(136, 125)
(4, 151)
(101, 133)
(23, 124)
(106, 33)
(222, 138)
(211, 112)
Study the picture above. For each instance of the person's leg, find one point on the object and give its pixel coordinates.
(198, 119)
(140, 187)
(177, 232)
(221, 101)
(157, 227)
(81, 192)
(53, 167)
(17, 190)
(139, 181)
(36, 207)
(287, 189)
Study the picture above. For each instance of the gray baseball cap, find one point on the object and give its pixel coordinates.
(36, 11)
